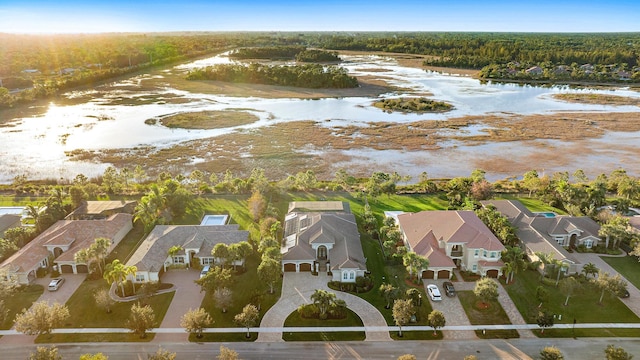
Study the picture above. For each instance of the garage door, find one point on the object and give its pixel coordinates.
(66, 269)
(428, 274)
(492, 274)
(290, 267)
(82, 269)
(443, 274)
(305, 267)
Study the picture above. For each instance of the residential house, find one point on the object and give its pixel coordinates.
(323, 236)
(95, 210)
(450, 240)
(152, 257)
(60, 242)
(8, 221)
(549, 233)
(534, 71)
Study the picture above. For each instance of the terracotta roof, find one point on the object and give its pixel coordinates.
(79, 233)
(9, 220)
(462, 227)
(153, 251)
(98, 207)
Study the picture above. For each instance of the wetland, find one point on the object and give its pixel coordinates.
(165, 123)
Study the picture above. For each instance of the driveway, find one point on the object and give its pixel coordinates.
(452, 307)
(187, 296)
(60, 296)
(452, 310)
(297, 289)
(71, 284)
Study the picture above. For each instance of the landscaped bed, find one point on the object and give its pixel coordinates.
(351, 319)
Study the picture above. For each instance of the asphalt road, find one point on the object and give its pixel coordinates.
(582, 349)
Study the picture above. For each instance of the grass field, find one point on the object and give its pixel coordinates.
(583, 305)
(628, 266)
(494, 314)
(21, 299)
(247, 289)
(84, 313)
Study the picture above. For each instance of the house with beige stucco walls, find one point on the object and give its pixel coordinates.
(323, 237)
(450, 240)
(60, 242)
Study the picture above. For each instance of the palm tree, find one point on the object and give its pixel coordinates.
(146, 213)
(513, 257)
(323, 300)
(115, 272)
(590, 269)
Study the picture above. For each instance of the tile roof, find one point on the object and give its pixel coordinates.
(339, 229)
(8, 220)
(153, 251)
(462, 227)
(77, 233)
(536, 231)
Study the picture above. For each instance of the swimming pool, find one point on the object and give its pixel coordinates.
(546, 214)
(214, 220)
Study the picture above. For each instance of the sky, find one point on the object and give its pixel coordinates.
(88, 16)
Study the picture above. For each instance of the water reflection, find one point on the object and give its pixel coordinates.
(114, 116)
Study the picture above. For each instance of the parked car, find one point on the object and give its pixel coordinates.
(624, 293)
(55, 284)
(204, 271)
(449, 289)
(434, 292)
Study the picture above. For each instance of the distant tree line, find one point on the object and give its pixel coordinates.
(288, 52)
(267, 52)
(307, 76)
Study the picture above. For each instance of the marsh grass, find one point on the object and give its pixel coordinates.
(601, 99)
(208, 119)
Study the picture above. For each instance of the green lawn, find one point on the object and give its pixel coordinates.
(247, 289)
(352, 319)
(78, 338)
(532, 204)
(599, 332)
(21, 299)
(84, 313)
(494, 314)
(416, 335)
(22, 200)
(628, 266)
(128, 244)
(583, 306)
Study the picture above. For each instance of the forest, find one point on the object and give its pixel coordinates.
(307, 76)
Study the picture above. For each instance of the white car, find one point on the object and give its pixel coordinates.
(55, 284)
(434, 292)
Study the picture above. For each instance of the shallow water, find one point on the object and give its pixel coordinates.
(114, 117)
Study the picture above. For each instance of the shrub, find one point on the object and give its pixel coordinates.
(308, 311)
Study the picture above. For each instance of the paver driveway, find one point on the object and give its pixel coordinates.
(297, 289)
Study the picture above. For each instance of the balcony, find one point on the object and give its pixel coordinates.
(456, 253)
